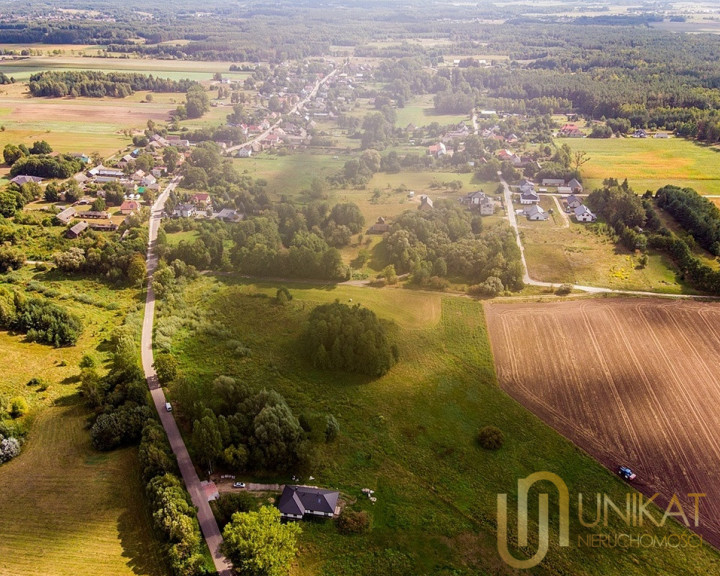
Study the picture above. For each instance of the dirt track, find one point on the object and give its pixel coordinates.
(631, 381)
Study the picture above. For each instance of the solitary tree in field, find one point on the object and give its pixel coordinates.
(579, 158)
(258, 544)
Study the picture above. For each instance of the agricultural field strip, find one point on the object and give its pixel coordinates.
(655, 395)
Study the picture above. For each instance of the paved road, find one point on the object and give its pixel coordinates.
(292, 111)
(207, 521)
(510, 209)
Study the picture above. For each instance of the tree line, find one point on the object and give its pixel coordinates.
(95, 84)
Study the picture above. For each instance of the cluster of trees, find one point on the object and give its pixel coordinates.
(118, 399)
(623, 210)
(637, 226)
(11, 258)
(61, 166)
(450, 241)
(352, 339)
(40, 319)
(260, 544)
(95, 84)
(12, 153)
(119, 262)
(244, 429)
(175, 518)
(196, 103)
(699, 216)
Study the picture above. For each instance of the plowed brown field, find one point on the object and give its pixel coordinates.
(631, 381)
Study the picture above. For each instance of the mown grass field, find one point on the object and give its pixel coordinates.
(409, 436)
(649, 163)
(66, 508)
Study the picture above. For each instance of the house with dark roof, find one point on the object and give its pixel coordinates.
(572, 202)
(529, 197)
(297, 501)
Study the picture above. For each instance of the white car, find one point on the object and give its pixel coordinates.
(239, 485)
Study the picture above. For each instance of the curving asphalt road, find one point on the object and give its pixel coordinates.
(207, 521)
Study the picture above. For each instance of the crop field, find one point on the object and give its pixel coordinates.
(22, 69)
(647, 401)
(649, 163)
(408, 435)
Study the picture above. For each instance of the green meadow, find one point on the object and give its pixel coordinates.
(409, 435)
(67, 509)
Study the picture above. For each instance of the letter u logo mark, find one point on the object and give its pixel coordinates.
(524, 485)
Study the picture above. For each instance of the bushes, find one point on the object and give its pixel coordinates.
(339, 337)
(18, 407)
(352, 522)
(40, 319)
(9, 448)
(11, 258)
(230, 503)
(564, 290)
(490, 438)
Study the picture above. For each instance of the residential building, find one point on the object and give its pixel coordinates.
(297, 501)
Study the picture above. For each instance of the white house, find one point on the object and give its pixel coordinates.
(535, 213)
(583, 214)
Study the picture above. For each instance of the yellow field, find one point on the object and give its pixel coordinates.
(649, 163)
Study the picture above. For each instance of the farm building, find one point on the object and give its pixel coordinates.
(437, 150)
(425, 203)
(94, 215)
(535, 213)
(66, 215)
(583, 214)
(564, 190)
(297, 501)
(76, 230)
(575, 186)
(553, 182)
(200, 199)
(229, 215)
(380, 227)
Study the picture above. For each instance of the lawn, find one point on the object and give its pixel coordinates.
(66, 508)
(408, 435)
(649, 163)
